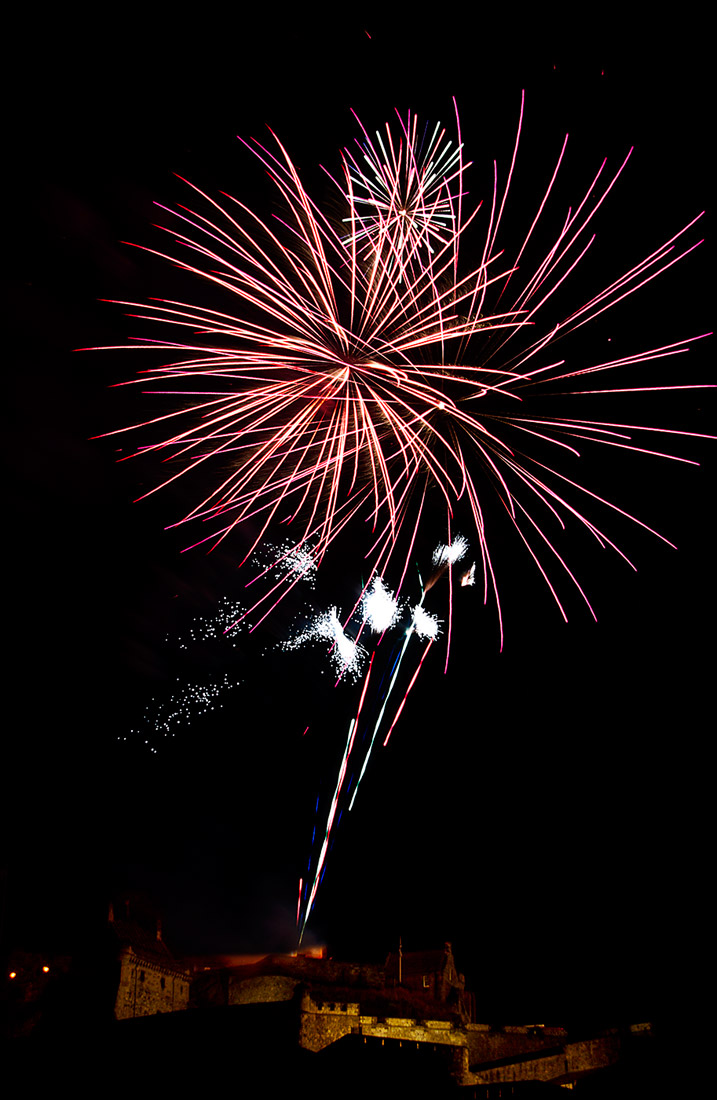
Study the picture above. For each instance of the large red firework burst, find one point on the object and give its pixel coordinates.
(364, 369)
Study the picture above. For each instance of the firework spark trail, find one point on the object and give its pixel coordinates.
(379, 719)
(334, 803)
(408, 689)
(298, 904)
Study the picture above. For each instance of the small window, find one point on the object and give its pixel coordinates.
(161, 982)
(141, 975)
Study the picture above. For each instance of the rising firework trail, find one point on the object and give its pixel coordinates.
(381, 610)
(320, 866)
(424, 626)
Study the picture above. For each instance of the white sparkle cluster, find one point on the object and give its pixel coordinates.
(425, 625)
(379, 606)
(447, 555)
(192, 701)
(287, 560)
(346, 655)
(207, 628)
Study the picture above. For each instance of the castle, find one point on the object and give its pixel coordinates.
(150, 979)
(415, 1001)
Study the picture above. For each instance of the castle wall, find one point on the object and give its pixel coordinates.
(147, 987)
(260, 990)
(324, 1022)
(489, 1046)
(573, 1061)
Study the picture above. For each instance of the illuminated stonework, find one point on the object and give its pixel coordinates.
(150, 979)
(148, 986)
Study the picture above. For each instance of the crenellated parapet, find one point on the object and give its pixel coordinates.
(324, 1022)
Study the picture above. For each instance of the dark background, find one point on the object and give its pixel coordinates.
(545, 808)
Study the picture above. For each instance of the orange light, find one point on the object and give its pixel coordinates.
(13, 974)
(45, 970)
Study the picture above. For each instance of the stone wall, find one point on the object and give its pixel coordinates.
(147, 987)
(479, 1054)
(572, 1061)
(263, 989)
(324, 1022)
(485, 1045)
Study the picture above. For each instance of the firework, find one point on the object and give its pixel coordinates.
(400, 195)
(444, 556)
(161, 719)
(356, 375)
(380, 609)
(347, 655)
(367, 375)
(379, 606)
(221, 625)
(425, 625)
(287, 562)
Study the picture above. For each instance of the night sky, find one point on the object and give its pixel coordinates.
(545, 808)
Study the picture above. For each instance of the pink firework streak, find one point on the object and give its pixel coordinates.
(362, 369)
